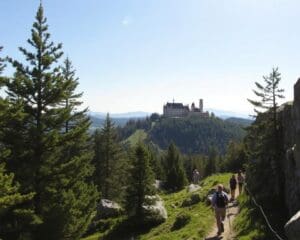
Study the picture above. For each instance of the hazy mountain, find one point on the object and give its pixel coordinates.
(97, 122)
(120, 119)
(137, 114)
(241, 121)
(140, 114)
(228, 114)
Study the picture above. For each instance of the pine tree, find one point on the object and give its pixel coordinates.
(212, 161)
(71, 98)
(140, 185)
(235, 157)
(263, 141)
(47, 159)
(16, 218)
(175, 174)
(110, 162)
(269, 93)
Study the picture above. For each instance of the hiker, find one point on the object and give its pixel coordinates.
(232, 184)
(240, 180)
(219, 202)
(196, 176)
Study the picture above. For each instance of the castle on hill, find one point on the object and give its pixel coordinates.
(179, 110)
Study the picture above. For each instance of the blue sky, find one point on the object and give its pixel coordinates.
(138, 54)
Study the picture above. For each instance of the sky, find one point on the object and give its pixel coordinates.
(136, 55)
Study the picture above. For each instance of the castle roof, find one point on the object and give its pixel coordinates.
(176, 105)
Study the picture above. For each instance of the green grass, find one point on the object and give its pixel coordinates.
(138, 136)
(201, 215)
(249, 224)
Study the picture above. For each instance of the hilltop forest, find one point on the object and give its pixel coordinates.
(192, 135)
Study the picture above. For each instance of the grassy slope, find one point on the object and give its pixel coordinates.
(138, 136)
(249, 225)
(201, 215)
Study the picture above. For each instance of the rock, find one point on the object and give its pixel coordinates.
(292, 227)
(181, 220)
(107, 208)
(193, 199)
(193, 188)
(154, 211)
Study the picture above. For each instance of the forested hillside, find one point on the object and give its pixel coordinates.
(191, 135)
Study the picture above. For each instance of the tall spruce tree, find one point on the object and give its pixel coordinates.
(71, 100)
(46, 159)
(140, 185)
(263, 141)
(16, 218)
(110, 162)
(175, 174)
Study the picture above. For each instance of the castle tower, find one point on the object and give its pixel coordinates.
(201, 105)
(193, 107)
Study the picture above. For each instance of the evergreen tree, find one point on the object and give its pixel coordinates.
(155, 161)
(71, 100)
(16, 218)
(140, 183)
(263, 142)
(212, 161)
(110, 161)
(235, 157)
(175, 174)
(53, 163)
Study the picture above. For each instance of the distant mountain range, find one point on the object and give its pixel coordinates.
(140, 114)
(228, 114)
(134, 115)
(120, 119)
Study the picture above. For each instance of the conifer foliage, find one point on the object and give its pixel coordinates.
(263, 141)
(110, 162)
(175, 173)
(141, 182)
(16, 218)
(51, 155)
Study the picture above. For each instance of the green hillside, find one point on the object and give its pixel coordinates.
(139, 135)
(191, 135)
(201, 216)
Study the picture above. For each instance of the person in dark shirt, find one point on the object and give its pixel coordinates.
(232, 184)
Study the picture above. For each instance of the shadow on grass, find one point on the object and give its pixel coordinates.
(128, 229)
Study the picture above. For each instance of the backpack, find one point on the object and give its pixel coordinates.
(220, 200)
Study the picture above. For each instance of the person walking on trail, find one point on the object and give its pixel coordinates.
(232, 183)
(240, 180)
(219, 202)
(196, 176)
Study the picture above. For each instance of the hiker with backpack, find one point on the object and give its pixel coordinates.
(240, 180)
(219, 202)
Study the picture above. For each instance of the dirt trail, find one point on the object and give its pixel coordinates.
(228, 234)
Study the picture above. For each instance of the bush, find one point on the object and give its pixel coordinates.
(181, 220)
